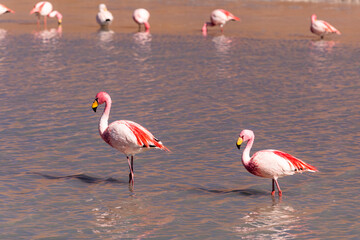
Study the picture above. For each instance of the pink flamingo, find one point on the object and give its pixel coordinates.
(321, 28)
(270, 163)
(46, 9)
(219, 17)
(141, 16)
(128, 137)
(4, 9)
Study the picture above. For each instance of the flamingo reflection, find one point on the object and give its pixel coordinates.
(48, 36)
(106, 39)
(142, 47)
(276, 221)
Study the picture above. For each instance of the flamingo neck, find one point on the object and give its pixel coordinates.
(104, 120)
(147, 26)
(246, 153)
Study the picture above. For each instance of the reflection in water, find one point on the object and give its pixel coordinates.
(319, 54)
(322, 46)
(106, 39)
(142, 49)
(223, 46)
(132, 219)
(270, 222)
(49, 36)
(3, 33)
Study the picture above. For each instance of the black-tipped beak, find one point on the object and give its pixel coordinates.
(95, 105)
(239, 142)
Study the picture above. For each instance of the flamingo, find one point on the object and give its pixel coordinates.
(46, 9)
(270, 163)
(141, 16)
(104, 17)
(126, 136)
(219, 17)
(4, 9)
(321, 28)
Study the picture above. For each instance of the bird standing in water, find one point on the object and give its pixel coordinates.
(270, 163)
(46, 9)
(104, 17)
(126, 136)
(321, 28)
(219, 17)
(141, 16)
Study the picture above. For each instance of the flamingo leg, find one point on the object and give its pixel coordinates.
(131, 167)
(278, 187)
(273, 188)
(45, 21)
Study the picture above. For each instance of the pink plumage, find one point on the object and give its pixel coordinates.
(219, 17)
(46, 9)
(126, 136)
(270, 163)
(4, 9)
(321, 27)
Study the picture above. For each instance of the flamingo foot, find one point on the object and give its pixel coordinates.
(273, 193)
(280, 193)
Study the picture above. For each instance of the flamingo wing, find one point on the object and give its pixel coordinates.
(329, 28)
(295, 162)
(229, 15)
(143, 136)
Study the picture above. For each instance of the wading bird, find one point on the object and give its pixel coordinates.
(4, 9)
(128, 137)
(270, 163)
(321, 28)
(46, 9)
(104, 17)
(219, 17)
(141, 16)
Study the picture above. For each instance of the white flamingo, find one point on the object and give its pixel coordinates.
(4, 9)
(270, 163)
(104, 16)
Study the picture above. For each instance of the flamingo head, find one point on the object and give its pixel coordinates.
(102, 7)
(313, 17)
(57, 15)
(244, 136)
(100, 98)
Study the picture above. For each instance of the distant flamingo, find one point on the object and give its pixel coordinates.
(321, 28)
(104, 17)
(46, 9)
(219, 17)
(128, 137)
(270, 163)
(4, 9)
(141, 16)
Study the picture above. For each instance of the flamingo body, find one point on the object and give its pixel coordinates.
(104, 16)
(45, 9)
(270, 163)
(141, 16)
(219, 17)
(321, 28)
(126, 136)
(4, 9)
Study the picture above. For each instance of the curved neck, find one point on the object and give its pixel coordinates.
(246, 153)
(103, 123)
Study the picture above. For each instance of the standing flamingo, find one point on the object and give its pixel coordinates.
(141, 16)
(4, 9)
(128, 137)
(270, 163)
(46, 9)
(219, 17)
(321, 28)
(104, 17)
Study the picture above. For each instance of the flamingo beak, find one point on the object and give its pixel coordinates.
(239, 142)
(95, 105)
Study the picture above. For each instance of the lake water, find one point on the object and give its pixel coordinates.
(59, 180)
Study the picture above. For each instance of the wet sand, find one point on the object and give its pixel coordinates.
(273, 20)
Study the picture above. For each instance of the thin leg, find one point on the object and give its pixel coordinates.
(278, 187)
(273, 188)
(131, 167)
(45, 21)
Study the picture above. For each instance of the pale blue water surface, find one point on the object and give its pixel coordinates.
(59, 180)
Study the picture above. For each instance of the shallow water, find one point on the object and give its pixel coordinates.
(59, 180)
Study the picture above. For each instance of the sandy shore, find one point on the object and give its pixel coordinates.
(280, 20)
